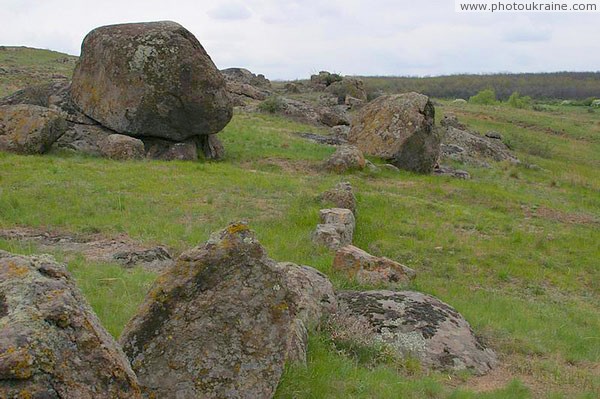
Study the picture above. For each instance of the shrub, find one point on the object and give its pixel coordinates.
(272, 104)
(484, 97)
(517, 101)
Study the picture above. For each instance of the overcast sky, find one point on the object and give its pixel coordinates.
(292, 39)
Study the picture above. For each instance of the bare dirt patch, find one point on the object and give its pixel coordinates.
(95, 248)
(560, 216)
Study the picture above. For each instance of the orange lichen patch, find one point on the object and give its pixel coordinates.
(235, 228)
(16, 363)
(13, 270)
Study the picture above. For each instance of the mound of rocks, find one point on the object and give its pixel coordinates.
(399, 128)
(52, 345)
(417, 325)
(224, 319)
(148, 83)
(243, 86)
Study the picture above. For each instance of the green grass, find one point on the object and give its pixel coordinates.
(23, 66)
(515, 249)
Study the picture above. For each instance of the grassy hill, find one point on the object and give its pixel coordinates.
(515, 250)
(23, 66)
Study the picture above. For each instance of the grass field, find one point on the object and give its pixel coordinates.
(516, 249)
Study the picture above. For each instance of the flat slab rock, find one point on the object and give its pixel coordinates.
(419, 325)
(52, 345)
(223, 321)
(122, 249)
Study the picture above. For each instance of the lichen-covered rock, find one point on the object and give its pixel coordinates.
(121, 147)
(340, 132)
(345, 158)
(29, 129)
(444, 170)
(399, 128)
(421, 326)
(450, 120)
(369, 269)
(472, 148)
(336, 229)
(55, 95)
(150, 79)
(51, 343)
(311, 293)
(218, 324)
(83, 139)
(341, 196)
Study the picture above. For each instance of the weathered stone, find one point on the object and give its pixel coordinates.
(324, 79)
(121, 147)
(327, 140)
(341, 196)
(83, 139)
(369, 269)
(472, 148)
(336, 229)
(217, 324)
(399, 128)
(52, 345)
(341, 131)
(55, 95)
(150, 79)
(354, 102)
(334, 116)
(348, 87)
(292, 88)
(166, 150)
(450, 120)
(246, 91)
(29, 129)
(311, 293)
(211, 147)
(442, 170)
(421, 326)
(493, 135)
(345, 158)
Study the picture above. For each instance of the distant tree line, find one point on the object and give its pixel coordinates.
(541, 86)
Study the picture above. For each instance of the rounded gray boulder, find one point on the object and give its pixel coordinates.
(150, 79)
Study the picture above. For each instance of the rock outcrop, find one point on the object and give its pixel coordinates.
(471, 148)
(150, 79)
(399, 128)
(420, 326)
(223, 320)
(29, 129)
(368, 269)
(51, 343)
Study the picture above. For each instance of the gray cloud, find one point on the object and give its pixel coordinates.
(291, 39)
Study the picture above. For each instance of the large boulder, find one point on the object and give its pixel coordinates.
(417, 325)
(222, 321)
(52, 345)
(29, 129)
(150, 79)
(399, 128)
